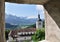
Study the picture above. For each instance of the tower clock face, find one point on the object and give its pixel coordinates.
(39, 23)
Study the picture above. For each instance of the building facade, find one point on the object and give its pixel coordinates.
(39, 23)
(22, 35)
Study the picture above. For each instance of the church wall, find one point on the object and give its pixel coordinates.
(39, 24)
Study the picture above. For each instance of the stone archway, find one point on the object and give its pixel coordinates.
(52, 18)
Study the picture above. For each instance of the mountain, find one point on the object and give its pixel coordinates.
(10, 26)
(19, 20)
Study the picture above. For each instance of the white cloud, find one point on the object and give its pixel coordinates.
(29, 17)
(39, 7)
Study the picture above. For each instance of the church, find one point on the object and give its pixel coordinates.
(39, 23)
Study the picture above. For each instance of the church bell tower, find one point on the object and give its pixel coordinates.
(39, 23)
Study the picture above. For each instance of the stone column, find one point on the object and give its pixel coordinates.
(2, 19)
(52, 21)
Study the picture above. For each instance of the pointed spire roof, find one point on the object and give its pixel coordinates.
(39, 17)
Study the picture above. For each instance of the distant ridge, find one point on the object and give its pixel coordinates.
(19, 20)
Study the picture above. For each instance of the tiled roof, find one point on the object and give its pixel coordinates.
(14, 32)
(27, 30)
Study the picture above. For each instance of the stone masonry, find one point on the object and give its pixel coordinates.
(2, 24)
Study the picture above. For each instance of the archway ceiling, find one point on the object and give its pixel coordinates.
(27, 1)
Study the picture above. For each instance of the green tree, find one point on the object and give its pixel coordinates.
(43, 23)
(6, 34)
(39, 35)
(32, 26)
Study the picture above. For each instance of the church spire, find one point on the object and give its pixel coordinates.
(39, 17)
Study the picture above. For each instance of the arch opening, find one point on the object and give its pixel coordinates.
(30, 12)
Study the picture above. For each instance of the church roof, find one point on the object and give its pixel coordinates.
(14, 32)
(27, 30)
(39, 19)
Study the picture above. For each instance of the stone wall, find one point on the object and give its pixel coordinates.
(28, 1)
(52, 21)
(2, 19)
(52, 30)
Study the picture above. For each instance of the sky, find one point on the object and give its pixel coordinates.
(24, 10)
